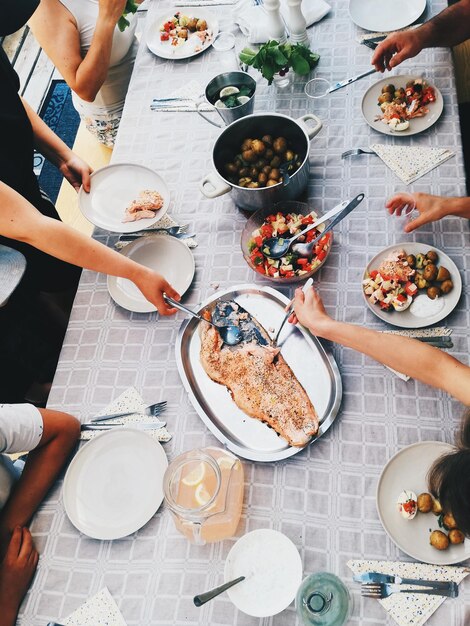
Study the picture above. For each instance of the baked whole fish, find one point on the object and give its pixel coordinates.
(261, 383)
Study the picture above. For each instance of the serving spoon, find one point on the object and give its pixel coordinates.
(277, 247)
(306, 249)
(231, 335)
(202, 598)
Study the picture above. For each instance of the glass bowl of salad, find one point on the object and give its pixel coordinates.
(284, 219)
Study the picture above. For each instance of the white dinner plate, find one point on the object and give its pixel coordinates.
(405, 319)
(383, 15)
(193, 45)
(272, 567)
(114, 484)
(112, 190)
(370, 109)
(407, 470)
(166, 255)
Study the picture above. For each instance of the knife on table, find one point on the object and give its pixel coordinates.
(376, 577)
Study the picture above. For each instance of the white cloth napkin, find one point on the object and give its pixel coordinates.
(165, 222)
(129, 400)
(252, 21)
(410, 163)
(100, 610)
(411, 609)
(192, 90)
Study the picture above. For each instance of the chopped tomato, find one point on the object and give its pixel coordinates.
(384, 305)
(373, 274)
(302, 261)
(164, 36)
(322, 255)
(289, 274)
(308, 219)
(318, 249)
(401, 298)
(272, 270)
(259, 241)
(266, 230)
(411, 289)
(168, 26)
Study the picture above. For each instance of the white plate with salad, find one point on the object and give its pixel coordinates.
(383, 15)
(182, 35)
(411, 285)
(402, 105)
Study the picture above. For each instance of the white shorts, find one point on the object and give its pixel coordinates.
(21, 428)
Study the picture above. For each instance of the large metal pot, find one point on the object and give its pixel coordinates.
(297, 133)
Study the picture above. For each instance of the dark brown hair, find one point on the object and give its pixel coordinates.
(449, 478)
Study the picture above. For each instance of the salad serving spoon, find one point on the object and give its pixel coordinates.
(306, 249)
(202, 598)
(277, 247)
(231, 335)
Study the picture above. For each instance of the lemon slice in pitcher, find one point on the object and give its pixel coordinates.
(201, 495)
(195, 476)
(228, 91)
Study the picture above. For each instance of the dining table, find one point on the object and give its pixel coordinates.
(324, 497)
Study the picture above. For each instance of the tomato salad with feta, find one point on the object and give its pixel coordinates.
(178, 29)
(400, 105)
(291, 265)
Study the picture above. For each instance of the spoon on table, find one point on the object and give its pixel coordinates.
(306, 249)
(231, 335)
(208, 595)
(277, 247)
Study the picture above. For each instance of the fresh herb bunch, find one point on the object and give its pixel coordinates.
(273, 58)
(131, 7)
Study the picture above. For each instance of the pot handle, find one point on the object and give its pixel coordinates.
(311, 131)
(207, 118)
(212, 187)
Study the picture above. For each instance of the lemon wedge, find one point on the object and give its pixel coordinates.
(220, 105)
(201, 495)
(228, 91)
(225, 462)
(243, 99)
(195, 476)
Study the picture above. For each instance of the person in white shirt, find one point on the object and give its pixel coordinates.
(95, 58)
(49, 437)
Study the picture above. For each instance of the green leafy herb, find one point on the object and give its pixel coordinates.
(131, 7)
(273, 58)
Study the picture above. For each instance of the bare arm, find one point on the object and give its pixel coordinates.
(56, 31)
(409, 356)
(448, 28)
(430, 208)
(20, 220)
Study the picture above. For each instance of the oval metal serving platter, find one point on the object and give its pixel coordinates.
(314, 367)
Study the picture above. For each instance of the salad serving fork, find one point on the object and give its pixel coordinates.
(384, 590)
(153, 410)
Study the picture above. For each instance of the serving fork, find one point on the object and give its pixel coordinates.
(355, 152)
(384, 590)
(153, 410)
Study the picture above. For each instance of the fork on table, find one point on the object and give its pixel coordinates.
(153, 410)
(384, 590)
(355, 152)
(171, 230)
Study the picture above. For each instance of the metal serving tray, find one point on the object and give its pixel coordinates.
(314, 367)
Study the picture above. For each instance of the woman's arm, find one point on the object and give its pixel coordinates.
(56, 31)
(409, 356)
(20, 220)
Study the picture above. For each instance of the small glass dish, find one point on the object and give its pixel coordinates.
(258, 219)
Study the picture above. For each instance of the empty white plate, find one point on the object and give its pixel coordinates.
(384, 15)
(112, 190)
(407, 470)
(114, 484)
(166, 255)
(272, 567)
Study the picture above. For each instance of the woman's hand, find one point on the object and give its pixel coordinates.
(112, 9)
(395, 49)
(76, 171)
(309, 311)
(153, 286)
(430, 208)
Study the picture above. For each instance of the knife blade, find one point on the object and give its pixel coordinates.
(115, 425)
(376, 577)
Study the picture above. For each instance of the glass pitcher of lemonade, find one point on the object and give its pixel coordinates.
(204, 490)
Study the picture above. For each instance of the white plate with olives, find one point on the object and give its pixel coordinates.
(407, 470)
(438, 282)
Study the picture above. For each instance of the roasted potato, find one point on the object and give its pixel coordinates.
(411, 260)
(434, 292)
(249, 156)
(253, 173)
(192, 24)
(267, 170)
(231, 168)
(280, 145)
(262, 179)
(183, 33)
(442, 274)
(388, 89)
(436, 507)
(253, 185)
(269, 154)
(430, 272)
(439, 540)
(246, 145)
(447, 286)
(275, 162)
(275, 174)
(244, 171)
(432, 256)
(267, 139)
(456, 536)
(244, 182)
(424, 502)
(289, 155)
(201, 25)
(419, 264)
(258, 146)
(449, 521)
(271, 182)
(385, 97)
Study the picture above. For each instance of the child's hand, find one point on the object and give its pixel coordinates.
(309, 311)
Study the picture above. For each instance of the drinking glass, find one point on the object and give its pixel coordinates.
(323, 600)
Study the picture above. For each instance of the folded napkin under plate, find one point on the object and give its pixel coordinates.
(129, 400)
(410, 163)
(411, 609)
(252, 20)
(191, 94)
(100, 610)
